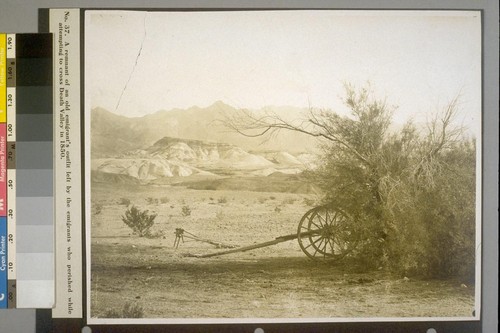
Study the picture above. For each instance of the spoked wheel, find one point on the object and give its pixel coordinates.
(326, 233)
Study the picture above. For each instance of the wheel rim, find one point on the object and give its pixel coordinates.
(326, 233)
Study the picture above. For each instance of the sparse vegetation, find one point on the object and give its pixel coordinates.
(411, 194)
(186, 211)
(98, 208)
(309, 202)
(129, 310)
(222, 200)
(220, 215)
(139, 221)
(164, 200)
(156, 234)
(289, 201)
(152, 201)
(258, 272)
(124, 202)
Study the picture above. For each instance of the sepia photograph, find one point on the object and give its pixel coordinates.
(282, 165)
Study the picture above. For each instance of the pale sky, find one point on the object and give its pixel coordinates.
(252, 59)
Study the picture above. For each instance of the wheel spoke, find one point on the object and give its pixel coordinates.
(322, 220)
(330, 241)
(317, 227)
(337, 241)
(318, 224)
(315, 251)
(324, 246)
(324, 232)
(303, 227)
(320, 243)
(313, 243)
(335, 219)
(311, 221)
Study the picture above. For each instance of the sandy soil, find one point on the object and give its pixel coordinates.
(159, 281)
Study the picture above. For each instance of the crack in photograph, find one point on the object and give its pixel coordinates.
(282, 165)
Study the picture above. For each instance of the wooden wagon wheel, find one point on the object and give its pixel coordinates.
(326, 233)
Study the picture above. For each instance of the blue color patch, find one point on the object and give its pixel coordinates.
(3, 262)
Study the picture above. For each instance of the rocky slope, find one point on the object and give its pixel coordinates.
(174, 157)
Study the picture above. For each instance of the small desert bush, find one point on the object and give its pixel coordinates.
(222, 200)
(289, 201)
(220, 215)
(129, 310)
(98, 208)
(156, 234)
(124, 201)
(139, 221)
(152, 201)
(309, 202)
(186, 211)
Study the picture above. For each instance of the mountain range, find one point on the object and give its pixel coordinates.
(191, 142)
(112, 134)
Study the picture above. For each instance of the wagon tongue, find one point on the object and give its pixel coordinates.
(180, 234)
(277, 240)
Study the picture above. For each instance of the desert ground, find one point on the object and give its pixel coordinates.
(147, 277)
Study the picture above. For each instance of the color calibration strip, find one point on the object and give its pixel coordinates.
(11, 170)
(3, 171)
(34, 171)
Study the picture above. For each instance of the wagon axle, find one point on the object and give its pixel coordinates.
(323, 233)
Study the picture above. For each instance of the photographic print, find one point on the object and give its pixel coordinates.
(282, 165)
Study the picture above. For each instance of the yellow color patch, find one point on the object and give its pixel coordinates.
(3, 78)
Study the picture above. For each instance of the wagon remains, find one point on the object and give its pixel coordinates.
(324, 232)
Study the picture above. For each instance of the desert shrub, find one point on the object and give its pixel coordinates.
(98, 208)
(412, 195)
(262, 200)
(155, 234)
(186, 211)
(222, 200)
(132, 311)
(164, 200)
(309, 202)
(277, 209)
(129, 310)
(289, 201)
(409, 193)
(112, 313)
(152, 201)
(220, 215)
(139, 221)
(434, 219)
(124, 201)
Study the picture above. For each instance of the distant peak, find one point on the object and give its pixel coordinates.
(220, 104)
